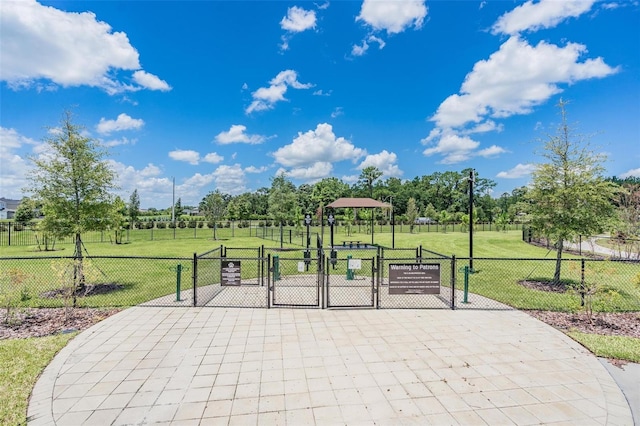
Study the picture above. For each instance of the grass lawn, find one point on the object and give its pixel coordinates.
(617, 347)
(22, 362)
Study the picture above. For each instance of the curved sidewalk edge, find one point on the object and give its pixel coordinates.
(284, 366)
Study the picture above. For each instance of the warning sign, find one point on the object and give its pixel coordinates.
(414, 278)
(230, 272)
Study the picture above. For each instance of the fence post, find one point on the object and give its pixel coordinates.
(9, 233)
(195, 279)
(582, 265)
(453, 281)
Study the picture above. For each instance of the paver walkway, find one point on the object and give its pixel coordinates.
(208, 366)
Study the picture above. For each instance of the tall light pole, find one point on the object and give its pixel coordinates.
(173, 201)
(471, 180)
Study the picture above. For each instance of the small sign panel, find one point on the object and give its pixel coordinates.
(230, 273)
(300, 266)
(331, 219)
(307, 219)
(355, 264)
(414, 278)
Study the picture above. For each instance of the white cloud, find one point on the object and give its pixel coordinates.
(123, 122)
(631, 173)
(319, 145)
(266, 97)
(359, 50)
(520, 170)
(515, 79)
(320, 92)
(122, 141)
(236, 134)
(230, 179)
(254, 169)
(298, 20)
(454, 148)
(189, 156)
(384, 161)
(42, 44)
(212, 158)
(492, 151)
(150, 81)
(315, 172)
(193, 157)
(531, 16)
(337, 112)
(13, 166)
(393, 16)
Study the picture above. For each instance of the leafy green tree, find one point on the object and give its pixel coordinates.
(213, 206)
(569, 195)
(328, 190)
(282, 201)
(73, 183)
(444, 217)
(178, 210)
(133, 209)
(412, 213)
(119, 212)
(26, 211)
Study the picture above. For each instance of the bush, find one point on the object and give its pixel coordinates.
(161, 225)
(139, 225)
(192, 224)
(172, 225)
(149, 224)
(268, 223)
(182, 224)
(200, 224)
(227, 224)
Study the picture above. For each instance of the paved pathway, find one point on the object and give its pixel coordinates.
(208, 366)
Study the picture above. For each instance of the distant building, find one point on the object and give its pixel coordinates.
(8, 208)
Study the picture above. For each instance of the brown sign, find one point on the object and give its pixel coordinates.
(230, 272)
(414, 278)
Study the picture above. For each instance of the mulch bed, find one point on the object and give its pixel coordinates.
(609, 324)
(41, 322)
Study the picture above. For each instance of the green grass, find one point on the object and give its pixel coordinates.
(616, 347)
(22, 362)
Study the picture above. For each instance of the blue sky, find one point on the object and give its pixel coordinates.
(226, 94)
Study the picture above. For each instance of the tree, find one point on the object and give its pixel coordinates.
(412, 213)
(73, 182)
(368, 176)
(26, 211)
(569, 195)
(213, 206)
(178, 210)
(133, 209)
(282, 200)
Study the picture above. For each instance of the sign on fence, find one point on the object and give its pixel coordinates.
(230, 272)
(414, 278)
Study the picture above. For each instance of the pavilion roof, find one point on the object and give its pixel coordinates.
(358, 202)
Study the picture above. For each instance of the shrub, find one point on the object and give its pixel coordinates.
(268, 223)
(227, 224)
(200, 224)
(182, 224)
(139, 225)
(192, 224)
(161, 225)
(149, 224)
(172, 225)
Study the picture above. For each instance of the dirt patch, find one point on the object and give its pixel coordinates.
(88, 290)
(32, 322)
(544, 286)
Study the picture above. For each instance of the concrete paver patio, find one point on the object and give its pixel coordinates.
(208, 366)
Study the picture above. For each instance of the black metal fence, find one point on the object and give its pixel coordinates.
(17, 234)
(270, 277)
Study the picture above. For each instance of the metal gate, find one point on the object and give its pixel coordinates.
(296, 278)
(350, 283)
